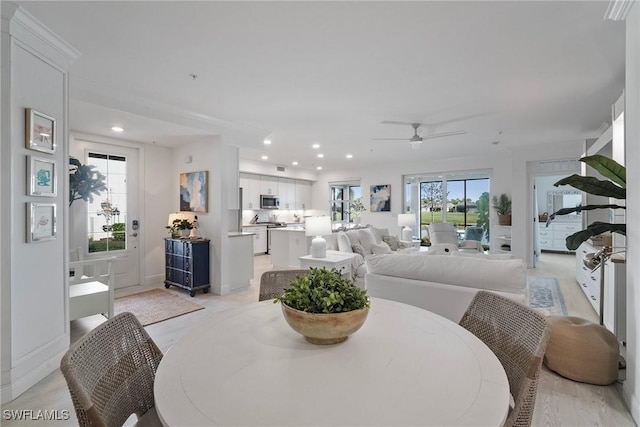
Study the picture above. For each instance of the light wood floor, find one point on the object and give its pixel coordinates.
(560, 402)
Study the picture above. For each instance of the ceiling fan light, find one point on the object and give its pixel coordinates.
(415, 144)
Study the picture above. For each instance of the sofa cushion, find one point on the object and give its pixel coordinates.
(379, 232)
(482, 255)
(367, 239)
(381, 248)
(344, 245)
(499, 275)
(354, 236)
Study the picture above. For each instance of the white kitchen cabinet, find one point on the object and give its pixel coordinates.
(615, 284)
(269, 185)
(259, 238)
(303, 195)
(250, 185)
(287, 188)
(553, 237)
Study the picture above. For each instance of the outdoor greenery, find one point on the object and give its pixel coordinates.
(323, 291)
(356, 207)
(84, 181)
(103, 245)
(483, 213)
(118, 231)
(615, 188)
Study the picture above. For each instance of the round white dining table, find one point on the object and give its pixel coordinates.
(405, 367)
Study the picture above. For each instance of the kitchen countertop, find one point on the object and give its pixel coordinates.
(239, 234)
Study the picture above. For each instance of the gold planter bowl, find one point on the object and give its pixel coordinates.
(325, 328)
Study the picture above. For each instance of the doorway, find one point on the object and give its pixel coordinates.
(108, 225)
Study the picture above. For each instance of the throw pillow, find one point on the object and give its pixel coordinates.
(392, 241)
(354, 236)
(382, 248)
(359, 249)
(344, 245)
(367, 239)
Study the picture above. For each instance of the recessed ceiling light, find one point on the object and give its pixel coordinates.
(294, 163)
(264, 157)
(349, 156)
(320, 155)
(316, 146)
(117, 129)
(267, 142)
(319, 168)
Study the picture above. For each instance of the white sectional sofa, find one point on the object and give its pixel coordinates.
(443, 284)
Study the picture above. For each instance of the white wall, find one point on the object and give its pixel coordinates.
(264, 168)
(35, 327)
(631, 387)
(221, 161)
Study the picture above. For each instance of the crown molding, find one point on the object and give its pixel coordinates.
(618, 10)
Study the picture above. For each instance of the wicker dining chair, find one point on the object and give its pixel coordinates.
(272, 283)
(517, 335)
(110, 373)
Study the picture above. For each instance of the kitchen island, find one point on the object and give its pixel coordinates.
(288, 244)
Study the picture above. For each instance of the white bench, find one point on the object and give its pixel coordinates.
(91, 284)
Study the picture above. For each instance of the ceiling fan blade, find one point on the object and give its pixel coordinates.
(438, 135)
(393, 122)
(391, 139)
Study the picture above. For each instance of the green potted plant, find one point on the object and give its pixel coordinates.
(502, 205)
(324, 306)
(356, 207)
(180, 227)
(615, 188)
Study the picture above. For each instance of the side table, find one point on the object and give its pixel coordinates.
(341, 261)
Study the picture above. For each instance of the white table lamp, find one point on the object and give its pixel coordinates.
(318, 226)
(406, 221)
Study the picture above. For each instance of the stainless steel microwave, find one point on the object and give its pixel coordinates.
(267, 201)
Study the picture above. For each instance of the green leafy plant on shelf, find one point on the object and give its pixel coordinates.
(323, 291)
(178, 225)
(614, 187)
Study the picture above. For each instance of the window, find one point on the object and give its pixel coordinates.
(107, 213)
(460, 199)
(342, 197)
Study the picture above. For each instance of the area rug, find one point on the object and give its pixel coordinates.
(546, 295)
(154, 306)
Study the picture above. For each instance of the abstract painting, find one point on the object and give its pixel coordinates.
(194, 187)
(380, 198)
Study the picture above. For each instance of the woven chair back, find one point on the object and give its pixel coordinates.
(273, 283)
(110, 372)
(517, 335)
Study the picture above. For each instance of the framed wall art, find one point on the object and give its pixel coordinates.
(41, 177)
(194, 187)
(40, 132)
(380, 198)
(41, 222)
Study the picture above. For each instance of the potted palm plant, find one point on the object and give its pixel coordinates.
(502, 205)
(614, 188)
(323, 306)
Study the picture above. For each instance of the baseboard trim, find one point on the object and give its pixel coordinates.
(19, 385)
(152, 280)
(632, 401)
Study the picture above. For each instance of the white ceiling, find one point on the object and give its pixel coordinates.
(540, 72)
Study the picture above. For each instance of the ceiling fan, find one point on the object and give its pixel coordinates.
(416, 139)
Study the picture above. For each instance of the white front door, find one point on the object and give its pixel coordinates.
(111, 221)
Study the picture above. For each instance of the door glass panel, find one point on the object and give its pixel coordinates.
(107, 213)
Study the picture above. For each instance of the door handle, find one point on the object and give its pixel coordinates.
(135, 234)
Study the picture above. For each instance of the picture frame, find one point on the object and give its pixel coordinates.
(40, 132)
(194, 190)
(380, 198)
(41, 177)
(41, 222)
